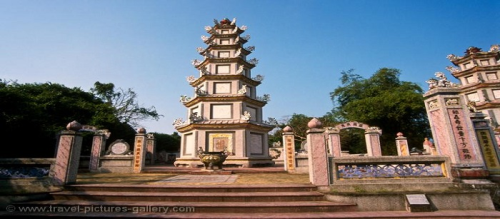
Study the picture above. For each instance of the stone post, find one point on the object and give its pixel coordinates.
(372, 138)
(429, 148)
(317, 154)
(139, 150)
(289, 141)
(98, 149)
(334, 148)
(453, 133)
(402, 145)
(68, 155)
(487, 143)
(151, 148)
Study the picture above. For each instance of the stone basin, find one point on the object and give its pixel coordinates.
(212, 159)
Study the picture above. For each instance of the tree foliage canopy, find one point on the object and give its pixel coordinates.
(384, 101)
(125, 104)
(32, 115)
(168, 143)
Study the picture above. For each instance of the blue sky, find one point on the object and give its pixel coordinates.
(302, 45)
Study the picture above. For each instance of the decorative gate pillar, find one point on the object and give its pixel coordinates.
(139, 150)
(453, 132)
(487, 142)
(497, 136)
(289, 140)
(372, 138)
(334, 147)
(317, 154)
(98, 150)
(151, 148)
(402, 145)
(68, 155)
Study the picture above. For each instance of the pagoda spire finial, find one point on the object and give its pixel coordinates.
(225, 21)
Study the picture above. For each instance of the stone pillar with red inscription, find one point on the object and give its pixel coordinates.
(139, 150)
(289, 141)
(453, 133)
(68, 155)
(317, 154)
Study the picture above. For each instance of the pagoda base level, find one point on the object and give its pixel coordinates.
(230, 162)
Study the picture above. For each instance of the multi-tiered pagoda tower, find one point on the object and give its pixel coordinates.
(479, 74)
(225, 113)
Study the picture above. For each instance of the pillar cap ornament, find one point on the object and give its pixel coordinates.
(400, 134)
(74, 126)
(141, 130)
(314, 123)
(287, 129)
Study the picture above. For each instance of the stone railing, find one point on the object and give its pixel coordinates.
(26, 167)
(27, 175)
(389, 167)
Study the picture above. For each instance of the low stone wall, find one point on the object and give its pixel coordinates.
(301, 164)
(459, 200)
(116, 164)
(24, 179)
(26, 175)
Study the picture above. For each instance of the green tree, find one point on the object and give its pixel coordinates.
(166, 142)
(32, 114)
(384, 101)
(125, 104)
(353, 140)
(298, 122)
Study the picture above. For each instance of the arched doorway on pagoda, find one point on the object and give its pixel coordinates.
(372, 138)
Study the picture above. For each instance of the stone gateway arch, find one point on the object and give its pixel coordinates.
(372, 138)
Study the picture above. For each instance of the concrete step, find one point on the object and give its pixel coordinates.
(146, 199)
(189, 196)
(165, 207)
(278, 215)
(192, 188)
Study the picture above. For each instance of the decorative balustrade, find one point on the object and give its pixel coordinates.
(389, 167)
(26, 167)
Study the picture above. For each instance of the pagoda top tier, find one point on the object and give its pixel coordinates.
(225, 24)
(475, 52)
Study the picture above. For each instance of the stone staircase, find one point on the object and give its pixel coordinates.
(119, 200)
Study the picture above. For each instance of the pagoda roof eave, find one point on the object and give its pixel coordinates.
(220, 125)
(474, 69)
(478, 55)
(476, 86)
(225, 60)
(229, 46)
(228, 98)
(243, 78)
